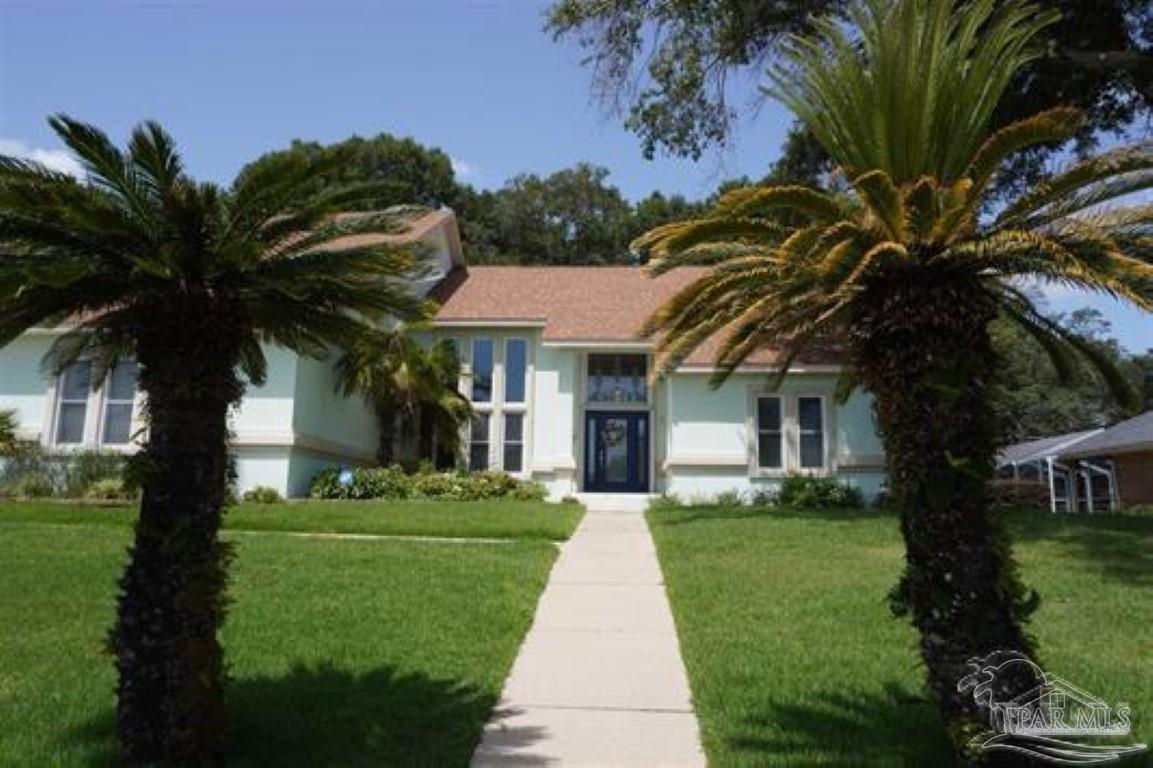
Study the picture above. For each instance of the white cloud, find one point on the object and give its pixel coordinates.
(54, 159)
(461, 168)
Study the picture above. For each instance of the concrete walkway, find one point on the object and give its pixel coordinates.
(599, 680)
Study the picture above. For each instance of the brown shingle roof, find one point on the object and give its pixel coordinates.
(573, 304)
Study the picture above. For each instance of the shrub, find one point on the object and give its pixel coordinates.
(812, 492)
(109, 489)
(31, 486)
(262, 494)
(393, 483)
(733, 498)
(66, 473)
(666, 501)
(764, 497)
(570, 500)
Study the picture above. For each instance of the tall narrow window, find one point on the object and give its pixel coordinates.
(769, 433)
(811, 431)
(75, 386)
(478, 446)
(481, 370)
(515, 370)
(119, 394)
(513, 442)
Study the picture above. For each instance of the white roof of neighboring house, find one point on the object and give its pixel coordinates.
(1129, 436)
(1044, 448)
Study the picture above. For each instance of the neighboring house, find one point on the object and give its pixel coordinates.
(559, 382)
(1091, 470)
(1128, 448)
(284, 431)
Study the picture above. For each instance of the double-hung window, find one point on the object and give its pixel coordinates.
(480, 442)
(789, 433)
(811, 432)
(87, 415)
(770, 432)
(72, 409)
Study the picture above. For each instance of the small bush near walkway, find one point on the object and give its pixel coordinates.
(393, 483)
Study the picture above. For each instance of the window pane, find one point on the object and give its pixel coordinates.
(481, 370)
(70, 426)
(478, 457)
(122, 381)
(478, 445)
(617, 378)
(515, 367)
(77, 381)
(809, 413)
(513, 457)
(769, 450)
(812, 450)
(513, 428)
(117, 423)
(769, 413)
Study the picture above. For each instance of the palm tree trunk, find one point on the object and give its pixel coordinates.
(386, 447)
(172, 598)
(927, 358)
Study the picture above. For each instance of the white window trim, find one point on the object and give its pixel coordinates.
(94, 418)
(496, 407)
(783, 431)
(790, 435)
(824, 467)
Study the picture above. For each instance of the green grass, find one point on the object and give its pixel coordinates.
(341, 652)
(794, 659)
(463, 519)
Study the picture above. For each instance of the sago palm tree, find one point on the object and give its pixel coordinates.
(905, 270)
(191, 280)
(412, 388)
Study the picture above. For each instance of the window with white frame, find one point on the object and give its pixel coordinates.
(95, 416)
(74, 391)
(770, 432)
(513, 442)
(496, 383)
(811, 432)
(479, 442)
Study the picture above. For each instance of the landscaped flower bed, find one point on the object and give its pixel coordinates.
(394, 483)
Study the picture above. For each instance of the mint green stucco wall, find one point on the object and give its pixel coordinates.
(23, 386)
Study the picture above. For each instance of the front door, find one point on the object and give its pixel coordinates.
(617, 452)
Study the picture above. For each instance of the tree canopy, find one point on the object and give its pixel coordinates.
(670, 67)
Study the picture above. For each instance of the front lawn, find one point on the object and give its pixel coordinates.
(463, 519)
(341, 652)
(795, 660)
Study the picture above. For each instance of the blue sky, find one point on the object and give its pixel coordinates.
(233, 79)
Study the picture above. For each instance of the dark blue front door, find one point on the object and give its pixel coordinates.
(617, 451)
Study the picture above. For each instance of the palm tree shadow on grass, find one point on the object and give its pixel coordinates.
(1120, 545)
(324, 715)
(890, 727)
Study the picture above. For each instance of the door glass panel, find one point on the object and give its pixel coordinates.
(479, 443)
(614, 450)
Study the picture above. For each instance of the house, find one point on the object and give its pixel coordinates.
(284, 431)
(1090, 470)
(560, 385)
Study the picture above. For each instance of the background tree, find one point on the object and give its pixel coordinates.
(1032, 401)
(671, 66)
(190, 280)
(902, 272)
(401, 170)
